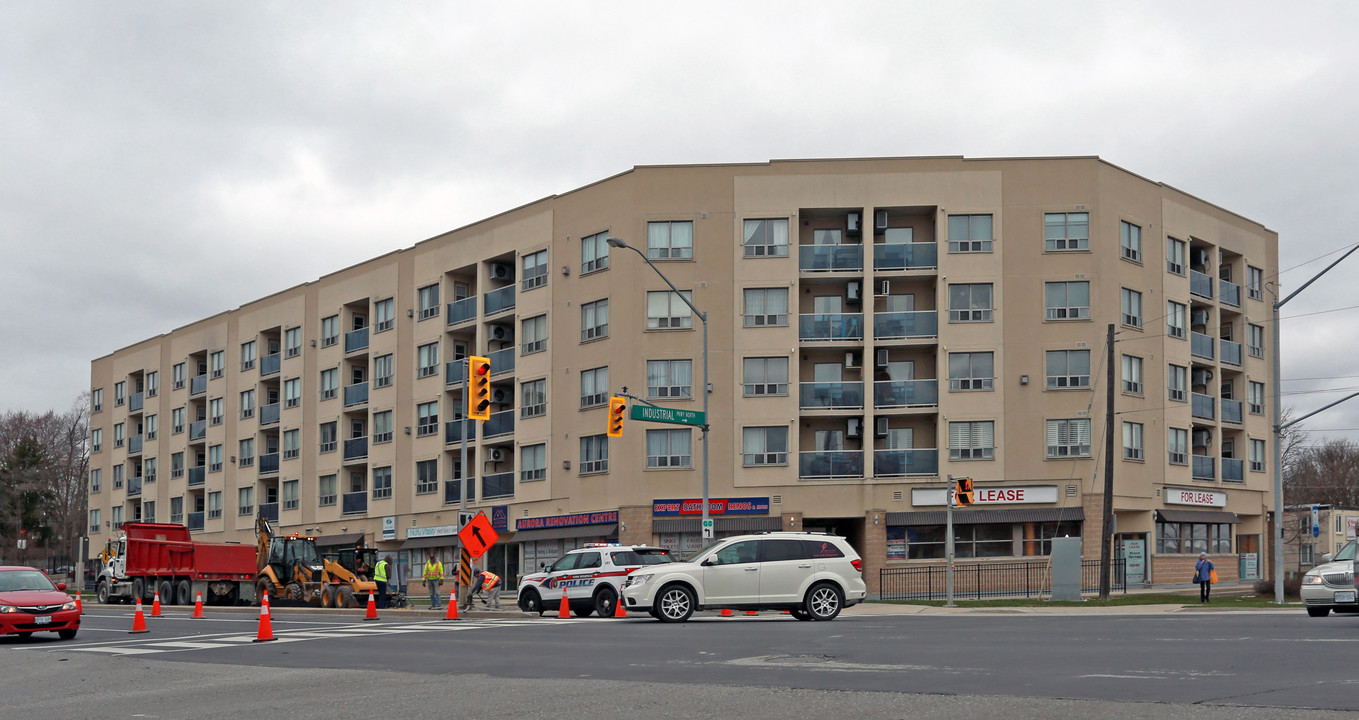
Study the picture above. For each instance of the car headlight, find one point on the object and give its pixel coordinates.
(638, 580)
(8, 609)
(69, 606)
(1310, 579)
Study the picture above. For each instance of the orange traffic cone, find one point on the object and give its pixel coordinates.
(726, 612)
(452, 613)
(198, 606)
(618, 610)
(139, 620)
(564, 611)
(79, 606)
(371, 613)
(155, 605)
(266, 631)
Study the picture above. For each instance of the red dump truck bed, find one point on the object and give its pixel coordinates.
(166, 550)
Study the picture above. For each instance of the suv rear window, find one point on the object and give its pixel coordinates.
(642, 556)
(821, 549)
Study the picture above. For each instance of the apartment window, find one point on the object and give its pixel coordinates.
(149, 511)
(214, 458)
(177, 465)
(1132, 374)
(766, 307)
(428, 360)
(764, 446)
(1130, 241)
(118, 471)
(119, 393)
(594, 387)
(177, 421)
(330, 383)
(594, 252)
(177, 374)
(1175, 317)
(972, 440)
(594, 454)
(384, 315)
(1257, 456)
(1255, 397)
(1178, 383)
(119, 434)
(426, 477)
(535, 270)
(292, 444)
(1255, 343)
(216, 411)
(214, 505)
(667, 310)
(382, 482)
(329, 436)
(1255, 283)
(1132, 441)
(670, 378)
(1067, 369)
(382, 427)
(152, 427)
(969, 371)
(533, 398)
(292, 392)
(533, 335)
(290, 498)
(426, 419)
(382, 371)
(292, 342)
(149, 470)
(766, 238)
(326, 490)
(1175, 250)
(670, 240)
(533, 462)
(94, 520)
(246, 506)
(247, 355)
(970, 234)
(330, 330)
(247, 453)
(177, 509)
(429, 307)
(96, 480)
(116, 516)
(765, 376)
(594, 320)
(1132, 308)
(969, 302)
(669, 448)
(1069, 438)
(1066, 231)
(247, 404)
(1067, 300)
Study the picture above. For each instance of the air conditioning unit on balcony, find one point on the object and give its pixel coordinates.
(1198, 256)
(500, 333)
(881, 427)
(501, 271)
(882, 358)
(885, 289)
(851, 359)
(496, 454)
(1202, 377)
(1199, 316)
(853, 292)
(880, 222)
(500, 396)
(852, 224)
(1203, 438)
(854, 427)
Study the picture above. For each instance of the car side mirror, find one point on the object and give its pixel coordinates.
(708, 562)
(1325, 557)
(61, 586)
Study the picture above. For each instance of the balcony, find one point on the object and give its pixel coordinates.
(501, 423)
(1200, 284)
(268, 463)
(134, 445)
(1203, 406)
(455, 372)
(356, 394)
(830, 326)
(1233, 470)
(453, 433)
(198, 430)
(1229, 293)
(269, 414)
(453, 490)
(902, 463)
(462, 310)
(197, 475)
(497, 486)
(270, 364)
(355, 448)
(905, 256)
(354, 503)
(356, 340)
(830, 258)
(135, 402)
(905, 325)
(1201, 346)
(1231, 411)
(502, 361)
(906, 393)
(195, 523)
(269, 511)
(134, 487)
(1204, 467)
(198, 385)
(830, 464)
(832, 395)
(1231, 352)
(498, 301)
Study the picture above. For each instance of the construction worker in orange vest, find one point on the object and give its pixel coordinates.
(490, 582)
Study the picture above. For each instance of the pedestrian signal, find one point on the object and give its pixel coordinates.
(964, 492)
(617, 407)
(479, 388)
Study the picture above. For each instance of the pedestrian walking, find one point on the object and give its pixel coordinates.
(380, 577)
(434, 574)
(1204, 575)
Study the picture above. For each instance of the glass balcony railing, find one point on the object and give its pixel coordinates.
(134, 445)
(135, 401)
(1200, 284)
(195, 521)
(1231, 411)
(198, 385)
(1203, 406)
(270, 364)
(1233, 470)
(269, 511)
(830, 326)
(900, 463)
(453, 433)
(1231, 352)
(1201, 345)
(453, 491)
(500, 300)
(1230, 294)
(269, 414)
(455, 372)
(268, 463)
(905, 256)
(462, 310)
(197, 475)
(817, 464)
(354, 503)
(356, 394)
(198, 430)
(830, 258)
(832, 395)
(502, 361)
(905, 325)
(501, 423)
(1204, 467)
(905, 393)
(356, 448)
(356, 340)
(134, 487)
(498, 485)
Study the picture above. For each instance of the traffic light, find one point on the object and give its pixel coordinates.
(617, 407)
(964, 492)
(479, 388)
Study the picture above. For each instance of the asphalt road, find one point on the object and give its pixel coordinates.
(1185, 664)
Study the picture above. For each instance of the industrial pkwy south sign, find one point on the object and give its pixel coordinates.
(1032, 494)
(648, 413)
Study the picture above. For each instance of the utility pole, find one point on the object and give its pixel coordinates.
(948, 493)
(1106, 533)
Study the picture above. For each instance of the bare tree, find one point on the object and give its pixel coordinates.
(44, 462)
(1328, 474)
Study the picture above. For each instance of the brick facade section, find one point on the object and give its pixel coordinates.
(634, 525)
(1176, 569)
(874, 548)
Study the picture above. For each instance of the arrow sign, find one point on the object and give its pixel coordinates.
(478, 536)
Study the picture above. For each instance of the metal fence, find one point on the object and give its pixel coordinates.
(976, 581)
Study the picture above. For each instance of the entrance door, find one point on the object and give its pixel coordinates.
(1248, 547)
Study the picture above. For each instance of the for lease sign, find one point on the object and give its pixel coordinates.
(1202, 498)
(1018, 495)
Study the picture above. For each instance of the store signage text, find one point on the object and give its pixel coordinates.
(1205, 498)
(554, 521)
(1028, 495)
(716, 506)
(432, 531)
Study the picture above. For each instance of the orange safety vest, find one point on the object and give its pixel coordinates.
(490, 579)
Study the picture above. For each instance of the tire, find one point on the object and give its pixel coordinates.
(652, 612)
(800, 614)
(184, 593)
(345, 598)
(1318, 611)
(101, 592)
(167, 592)
(328, 596)
(293, 591)
(583, 611)
(66, 634)
(824, 602)
(264, 586)
(606, 600)
(138, 589)
(674, 603)
(529, 602)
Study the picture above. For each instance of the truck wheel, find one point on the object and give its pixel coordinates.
(138, 589)
(529, 602)
(605, 601)
(262, 587)
(102, 592)
(293, 591)
(345, 598)
(184, 593)
(328, 597)
(167, 593)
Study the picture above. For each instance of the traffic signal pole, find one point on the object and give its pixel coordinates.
(948, 549)
(464, 568)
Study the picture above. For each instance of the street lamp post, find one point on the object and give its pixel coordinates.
(703, 317)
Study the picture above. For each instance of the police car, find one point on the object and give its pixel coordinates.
(589, 575)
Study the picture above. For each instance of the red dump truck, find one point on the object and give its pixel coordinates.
(151, 557)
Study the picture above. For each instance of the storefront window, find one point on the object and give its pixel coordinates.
(927, 542)
(1193, 538)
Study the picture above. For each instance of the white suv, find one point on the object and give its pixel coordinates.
(590, 576)
(812, 575)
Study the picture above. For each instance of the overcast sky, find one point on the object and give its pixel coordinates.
(161, 162)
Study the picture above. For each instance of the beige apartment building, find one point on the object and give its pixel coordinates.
(875, 326)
